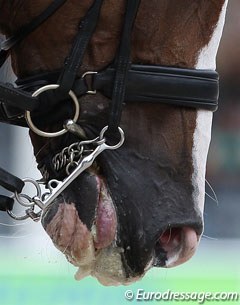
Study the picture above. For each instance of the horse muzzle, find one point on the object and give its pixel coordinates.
(115, 244)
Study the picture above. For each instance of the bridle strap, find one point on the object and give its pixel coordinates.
(12, 96)
(121, 82)
(27, 29)
(8, 94)
(3, 56)
(122, 63)
(12, 184)
(23, 100)
(6, 203)
(74, 60)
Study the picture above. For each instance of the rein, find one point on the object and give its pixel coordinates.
(122, 82)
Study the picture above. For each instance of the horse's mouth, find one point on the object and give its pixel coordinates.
(117, 239)
(89, 244)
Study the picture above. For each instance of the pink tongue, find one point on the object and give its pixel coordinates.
(106, 220)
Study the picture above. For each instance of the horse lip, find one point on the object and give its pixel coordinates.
(101, 229)
(105, 225)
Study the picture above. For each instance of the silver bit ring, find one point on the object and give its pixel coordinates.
(45, 134)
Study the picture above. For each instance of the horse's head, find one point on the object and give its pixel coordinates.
(141, 205)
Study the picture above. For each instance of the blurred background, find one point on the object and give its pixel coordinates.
(29, 264)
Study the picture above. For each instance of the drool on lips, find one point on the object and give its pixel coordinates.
(72, 237)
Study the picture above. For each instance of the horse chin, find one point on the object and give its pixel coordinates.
(89, 243)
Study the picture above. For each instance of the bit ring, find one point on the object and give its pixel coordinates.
(57, 133)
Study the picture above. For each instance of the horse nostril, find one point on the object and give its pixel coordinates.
(175, 246)
(171, 238)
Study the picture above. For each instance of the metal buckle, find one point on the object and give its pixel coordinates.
(89, 86)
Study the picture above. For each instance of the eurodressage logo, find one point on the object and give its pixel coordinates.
(199, 297)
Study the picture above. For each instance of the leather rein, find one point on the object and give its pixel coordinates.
(121, 82)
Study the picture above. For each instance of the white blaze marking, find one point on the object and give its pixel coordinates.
(202, 134)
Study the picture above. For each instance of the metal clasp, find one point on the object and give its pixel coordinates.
(89, 85)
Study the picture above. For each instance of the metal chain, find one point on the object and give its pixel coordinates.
(69, 157)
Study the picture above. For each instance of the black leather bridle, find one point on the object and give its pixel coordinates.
(122, 81)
